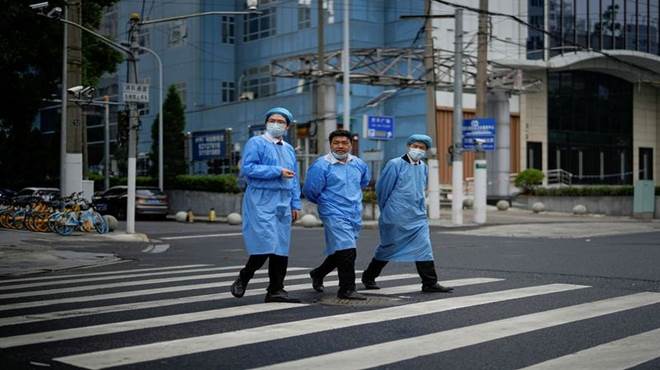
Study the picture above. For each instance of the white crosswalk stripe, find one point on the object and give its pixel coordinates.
(68, 323)
(187, 346)
(405, 349)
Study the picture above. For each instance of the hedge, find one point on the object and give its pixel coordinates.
(586, 191)
(212, 183)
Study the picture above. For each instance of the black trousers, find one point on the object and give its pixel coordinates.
(425, 269)
(276, 269)
(344, 262)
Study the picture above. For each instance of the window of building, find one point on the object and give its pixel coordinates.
(228, 92)
(258, 81)
(181, 89)
(535, 38)
(177, 33)
(304, 14)
(258, 26)
(227, 25)
(108, 26)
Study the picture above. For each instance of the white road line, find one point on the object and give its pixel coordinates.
(114, 277)
(410, 348)
(87, 311)
(186, 346)
(107, 273)
(200, 236)
(418, 287)
(36, 293)
(135, 293)
(620, 354)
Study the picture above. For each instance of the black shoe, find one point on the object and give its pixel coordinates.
(317, 283)
(238, 288)
(436, 288)
(280, 296)
(351, 295)
(369, 284)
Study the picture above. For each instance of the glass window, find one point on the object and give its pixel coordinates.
(643, 25)
(631, 24)
(554, 26)
(607, 23)
(618, 26)
(582, 23)
(228, 92)
(177, 32)
(594, 24)
(258, 81)
(257, 26)
(654, 13)
(568, 25)
(227, 25)
(304, 14)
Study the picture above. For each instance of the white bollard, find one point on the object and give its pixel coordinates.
(480, 186)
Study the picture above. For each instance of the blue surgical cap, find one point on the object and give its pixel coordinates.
(282, 111)
(419, 138)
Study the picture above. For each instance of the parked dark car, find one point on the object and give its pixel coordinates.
(26, 194)
(148, 201)
(6, 195)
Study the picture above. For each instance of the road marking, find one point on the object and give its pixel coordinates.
(200, 236)
(87, 311)
(135, 293)
(417, 287)
(125, 276)
(107, 273)
(620, 354)
(186, 346)
(36, 293)
(156, 248)
(410, 348)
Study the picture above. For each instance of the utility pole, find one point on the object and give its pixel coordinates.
(480, 164)
(457, 160)
(132, 125)
(325, 92)
(73, 161)
(106, 146)
(347, 67)
(429, 66)
(64, 117)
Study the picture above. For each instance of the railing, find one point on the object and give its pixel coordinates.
(559, 177)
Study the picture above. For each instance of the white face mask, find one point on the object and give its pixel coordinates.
(416, 154)
(275, 129)
(339, 156)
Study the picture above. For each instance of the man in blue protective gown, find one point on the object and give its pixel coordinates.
(335, 182)
(403, 224)
(270, 204)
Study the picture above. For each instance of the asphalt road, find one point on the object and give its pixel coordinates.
(167, 306)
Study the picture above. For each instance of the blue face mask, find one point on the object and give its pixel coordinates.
(340, 157)
(275, 129)
(416, 154)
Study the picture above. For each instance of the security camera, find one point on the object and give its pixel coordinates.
(39, 6)
(252, 4)
(75, 89)
(56, 12)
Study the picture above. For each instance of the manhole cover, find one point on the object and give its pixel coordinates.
(372, 300)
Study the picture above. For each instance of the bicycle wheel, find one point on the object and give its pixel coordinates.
(100, 224)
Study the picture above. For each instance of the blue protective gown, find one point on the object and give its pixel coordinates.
(336, 188)
(269, 197)
(403, 226)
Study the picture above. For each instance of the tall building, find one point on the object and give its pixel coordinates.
(222, 64)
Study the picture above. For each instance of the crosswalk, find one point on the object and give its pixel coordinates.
(164, 317)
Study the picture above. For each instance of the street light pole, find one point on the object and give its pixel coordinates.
(63, 124)
(160, 115)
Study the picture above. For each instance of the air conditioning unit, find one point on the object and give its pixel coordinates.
(246, 95)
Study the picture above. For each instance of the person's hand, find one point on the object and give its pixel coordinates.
(287, 173)
(295, 213)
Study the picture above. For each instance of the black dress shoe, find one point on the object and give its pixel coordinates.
(436, 288)
(370, 284)
(280, 296)
(238, 288)
(351, 295)
(317, 283)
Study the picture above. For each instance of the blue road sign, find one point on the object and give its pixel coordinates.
(379, 127)
(209, 145)
(479, 129)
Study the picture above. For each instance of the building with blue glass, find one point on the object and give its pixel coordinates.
(221, 64)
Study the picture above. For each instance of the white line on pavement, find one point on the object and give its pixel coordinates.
(200, 236)
(186, 346)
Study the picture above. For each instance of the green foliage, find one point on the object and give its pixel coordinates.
(586, 191)
(213, 183)
(174, 122)
(529, 179)
(368, 196)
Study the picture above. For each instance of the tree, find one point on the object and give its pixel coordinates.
(30, 71)
(174, 122)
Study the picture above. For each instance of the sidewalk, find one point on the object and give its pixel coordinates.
(25, 252)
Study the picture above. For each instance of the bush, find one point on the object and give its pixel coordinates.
(529, 179)
(214, 183)
(368, 196)
(586, 191)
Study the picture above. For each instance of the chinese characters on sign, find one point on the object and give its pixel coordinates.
(209, 145)
(136, 93)
(479, 132)
(379, 127)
